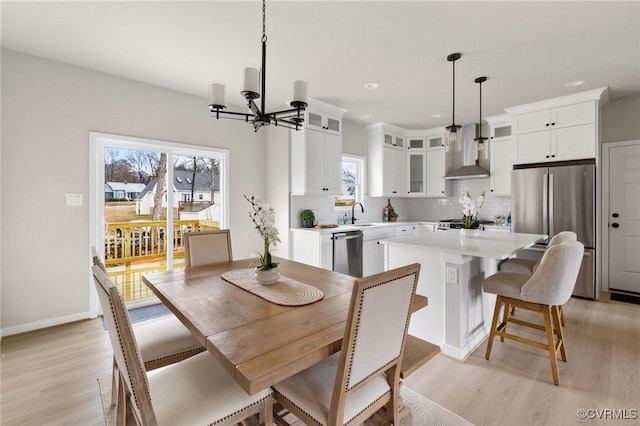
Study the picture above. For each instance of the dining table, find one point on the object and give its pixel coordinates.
(261, 343)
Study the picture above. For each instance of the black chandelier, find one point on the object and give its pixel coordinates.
(290, 118)
(452, 143)
(483, 147)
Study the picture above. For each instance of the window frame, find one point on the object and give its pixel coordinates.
(361, 179)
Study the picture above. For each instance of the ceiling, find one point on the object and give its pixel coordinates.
(528, 50)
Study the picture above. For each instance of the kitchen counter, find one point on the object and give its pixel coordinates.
(453, 268)
(495, 245)
(364, 226)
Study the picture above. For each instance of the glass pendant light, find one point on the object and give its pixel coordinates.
(453, 144)
(483, 144)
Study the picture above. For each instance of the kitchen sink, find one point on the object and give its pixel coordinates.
(364, 224)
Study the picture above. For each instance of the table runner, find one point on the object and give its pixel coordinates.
(286, 291)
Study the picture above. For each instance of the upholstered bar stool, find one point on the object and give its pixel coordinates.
(528, 266)
(549, 287)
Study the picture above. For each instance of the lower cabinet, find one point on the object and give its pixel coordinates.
(312, 248)
(373, 251)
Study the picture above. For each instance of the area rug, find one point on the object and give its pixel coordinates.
(145, 313)
(423, 411)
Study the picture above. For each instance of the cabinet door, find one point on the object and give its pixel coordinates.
(436, 142)
(315, 121)
(326, 252)
(387, 170)
(399, 173)
(399, 142)
(333, 124)
(532, 121)
(315, 183)
(332, 164)
(533, 147)
(501, 131)
(573, 143)
(573, 115)
(435, 173)
(416, 162)
(501, 165)
(416, 144)
(372, 258)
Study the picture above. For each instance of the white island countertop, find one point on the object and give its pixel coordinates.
(494, 245)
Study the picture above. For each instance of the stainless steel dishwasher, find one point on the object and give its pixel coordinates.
(347, 253)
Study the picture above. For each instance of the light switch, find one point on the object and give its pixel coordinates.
(452, 275)
(74, 200)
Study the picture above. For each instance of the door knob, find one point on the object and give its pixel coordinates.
(615, 225)
(615, 215)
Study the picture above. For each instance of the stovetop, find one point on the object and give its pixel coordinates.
(459, 223)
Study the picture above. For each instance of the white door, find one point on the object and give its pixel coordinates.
(624, 218)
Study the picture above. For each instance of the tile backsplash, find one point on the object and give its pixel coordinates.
(431, 209)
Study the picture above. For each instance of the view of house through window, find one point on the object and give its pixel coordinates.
(351, 181)
(152, 196)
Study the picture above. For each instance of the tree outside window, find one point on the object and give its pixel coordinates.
(351, 181)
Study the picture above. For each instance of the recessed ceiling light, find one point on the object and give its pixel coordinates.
(436, 115)
(365, 116)
(575, 83)
(371, 85)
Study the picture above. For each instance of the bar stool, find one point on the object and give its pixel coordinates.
(528, 266)
(549, 287)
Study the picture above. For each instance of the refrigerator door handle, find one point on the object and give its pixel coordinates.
(545, 206)
(551, 230)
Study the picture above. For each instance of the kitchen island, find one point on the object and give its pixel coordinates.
(453, 268)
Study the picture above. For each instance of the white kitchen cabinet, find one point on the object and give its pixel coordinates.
(312, 248)
(402, 230)
(316, 152)
(437, 186)
(416, 173)
(436, 141)
(416, 143)
(569, 143)
(372, 250)
(500, 155)
(555, 118)
(387, 161)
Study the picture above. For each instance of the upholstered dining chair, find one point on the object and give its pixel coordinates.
(197, 390)
(207, 248)
(549, 287)
(351, 385)
(161, 341)
(528, 266)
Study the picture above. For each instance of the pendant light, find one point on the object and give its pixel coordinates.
(452, 143)
(483, 145)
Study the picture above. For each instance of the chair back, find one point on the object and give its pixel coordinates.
(125, 349)
(96, 259)
(207, 248)
(553, 281)
(562, 237)
(376, 330)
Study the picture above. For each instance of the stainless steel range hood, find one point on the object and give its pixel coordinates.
(470, 168)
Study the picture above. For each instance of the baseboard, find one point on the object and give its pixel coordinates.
(36, 325)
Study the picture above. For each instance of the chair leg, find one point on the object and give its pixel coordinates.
(508, 309)
(494, 326)
(551, 346)
(266, 415)
(557, 316)
(561, 315)
(115, 382)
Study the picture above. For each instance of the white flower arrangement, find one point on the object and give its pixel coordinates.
(469, 209)
(263, 217)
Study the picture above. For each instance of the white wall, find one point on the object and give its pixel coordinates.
(48, 109)
(621, 120)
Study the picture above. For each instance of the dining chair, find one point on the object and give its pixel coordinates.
(197, 390)
(549, 287)
(351, 385)
(207, 247)
(528, 266)
(161, 341)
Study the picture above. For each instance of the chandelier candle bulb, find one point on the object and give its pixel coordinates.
(216, 95)
(251, 80)
(300, 91)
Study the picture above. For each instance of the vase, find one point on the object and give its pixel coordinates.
(465, 232)
(267, 276)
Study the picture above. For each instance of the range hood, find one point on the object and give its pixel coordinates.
(470, 168)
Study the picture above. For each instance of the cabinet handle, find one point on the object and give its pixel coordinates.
(443, 192)
(546, 156)
(553, 156)
(491, 190)
(553, 124)
(547, 124)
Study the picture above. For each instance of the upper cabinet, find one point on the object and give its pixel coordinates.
(387, 161)
(558, 129)
(500, 155)
(316, 151)
(416, 166)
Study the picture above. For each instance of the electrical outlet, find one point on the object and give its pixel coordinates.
(452, 275)
(74, 200)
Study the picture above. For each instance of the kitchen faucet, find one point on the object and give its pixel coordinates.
(353, 216)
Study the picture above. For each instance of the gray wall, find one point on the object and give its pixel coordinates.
(48, 110)
(621, 120)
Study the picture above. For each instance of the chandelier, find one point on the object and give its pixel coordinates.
(483, 147)
(291, 118)
(452, 143)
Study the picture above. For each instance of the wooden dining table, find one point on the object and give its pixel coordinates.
(259, 343)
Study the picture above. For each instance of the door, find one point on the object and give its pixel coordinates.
(528, 203)
(624, 218)
(572, 202)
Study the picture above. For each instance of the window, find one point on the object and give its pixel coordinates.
(352, 178)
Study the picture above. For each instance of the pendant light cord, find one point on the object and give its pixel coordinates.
(453, 114)
(264, 21)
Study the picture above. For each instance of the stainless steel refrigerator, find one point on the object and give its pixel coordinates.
(557, 197)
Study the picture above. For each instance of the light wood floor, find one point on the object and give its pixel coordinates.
(49, 376)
